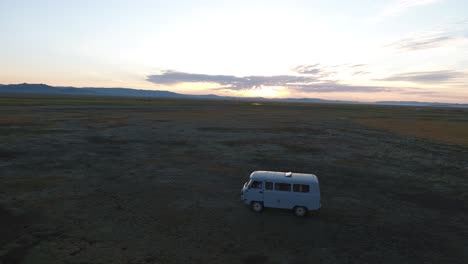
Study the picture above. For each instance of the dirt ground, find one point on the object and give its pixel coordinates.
(106, 180)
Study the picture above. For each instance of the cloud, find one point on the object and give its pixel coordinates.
(449, 34)
(336, 87)
(360, 72)
(229, 81)
(326, 72)
(426, 41)
(170, 77)
(311, 82)
(314, 69)
(425, 76)
(399, 7)
(402, 6)
(419, 92)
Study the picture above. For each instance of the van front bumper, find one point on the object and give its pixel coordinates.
(244, 200)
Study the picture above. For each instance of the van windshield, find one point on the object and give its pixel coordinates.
(248, 183)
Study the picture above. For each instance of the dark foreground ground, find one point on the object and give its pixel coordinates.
(93, 180)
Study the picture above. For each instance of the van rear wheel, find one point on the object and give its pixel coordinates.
(257, 207)
(300, 211)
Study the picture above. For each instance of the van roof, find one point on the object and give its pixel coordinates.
(284, 176)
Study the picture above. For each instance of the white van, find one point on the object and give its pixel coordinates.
(297, 191)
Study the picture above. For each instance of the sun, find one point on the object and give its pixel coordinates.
(266, 91)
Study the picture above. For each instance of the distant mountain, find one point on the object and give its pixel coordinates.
(416, 103)
(315, 100)
(44, 89)
(25, 88)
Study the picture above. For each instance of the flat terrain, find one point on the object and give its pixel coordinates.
(109, 180)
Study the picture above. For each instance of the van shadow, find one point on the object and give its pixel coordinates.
(277, 212)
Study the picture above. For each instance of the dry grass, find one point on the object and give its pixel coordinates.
(26, 184)
(439, 130)
(104, 122)
(143, 179)
(16, 120)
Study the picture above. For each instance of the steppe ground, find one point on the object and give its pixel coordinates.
(109, 180)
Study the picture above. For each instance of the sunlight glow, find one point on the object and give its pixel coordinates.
(266, 92)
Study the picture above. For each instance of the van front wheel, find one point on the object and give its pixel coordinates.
(257, 207)
(300, 211)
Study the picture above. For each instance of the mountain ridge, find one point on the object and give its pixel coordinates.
(44, 89)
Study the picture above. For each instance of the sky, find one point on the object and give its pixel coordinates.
(367, 50)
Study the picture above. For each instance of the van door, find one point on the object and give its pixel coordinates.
(269, 198)
(255, 191)
(283, 195)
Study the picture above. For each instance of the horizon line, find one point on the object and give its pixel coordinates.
(232, 97)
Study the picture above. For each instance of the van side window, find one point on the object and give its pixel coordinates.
(301, 188)
(256, 185)
(296, 187)
(268, 185)
(283, 187)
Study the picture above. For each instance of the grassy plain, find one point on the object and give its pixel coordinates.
(116, 180)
